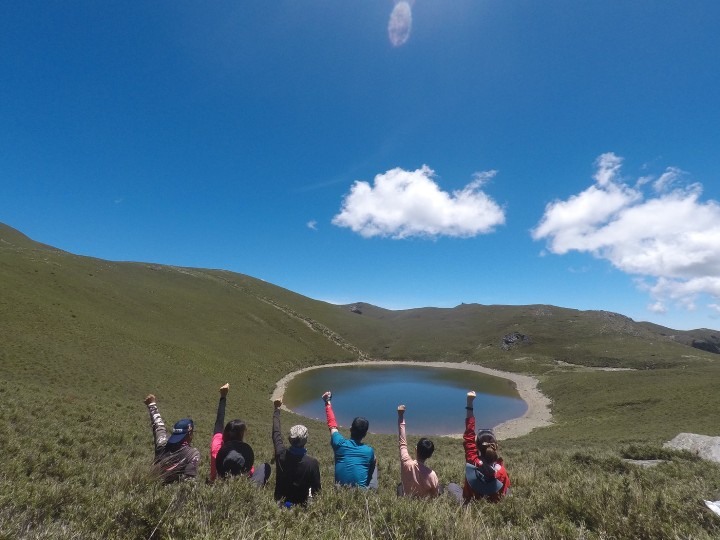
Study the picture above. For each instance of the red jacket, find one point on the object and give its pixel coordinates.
(496, 469)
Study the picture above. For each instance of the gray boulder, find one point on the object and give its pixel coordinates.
(703, 445)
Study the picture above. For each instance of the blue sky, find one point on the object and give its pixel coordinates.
(405, 154)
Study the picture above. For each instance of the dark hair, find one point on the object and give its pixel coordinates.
(487, 446)
(234, 431)
(359, 428)
(425, 448)
(489, 454)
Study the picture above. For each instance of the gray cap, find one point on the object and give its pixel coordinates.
(298, 435)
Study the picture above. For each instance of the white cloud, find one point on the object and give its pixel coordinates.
(403, 204)
(400, 23)
(312, 224)
(608, 166)
(671, 238)
(657, 307)
(667, 179)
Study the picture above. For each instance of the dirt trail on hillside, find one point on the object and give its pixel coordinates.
(537, 415)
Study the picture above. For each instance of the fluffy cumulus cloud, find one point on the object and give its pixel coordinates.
(404, 204)
(400, 23)
(670, 238)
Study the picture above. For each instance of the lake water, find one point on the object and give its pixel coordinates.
(434, 397)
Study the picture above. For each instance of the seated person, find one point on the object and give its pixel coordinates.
(355, 463)
(230, 455)
(297, 475)
(175, 459)
(485, 473)
(417, 478)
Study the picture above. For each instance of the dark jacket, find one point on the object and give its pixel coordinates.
(177, 462)
(297, 473)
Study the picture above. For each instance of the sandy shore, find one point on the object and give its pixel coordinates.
(537, 415)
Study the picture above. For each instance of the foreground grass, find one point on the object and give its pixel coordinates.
(79, 469)
(84, 340)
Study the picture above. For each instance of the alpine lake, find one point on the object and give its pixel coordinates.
(434, 397)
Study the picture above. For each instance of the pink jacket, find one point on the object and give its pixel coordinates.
(215, 446)
(417, 478)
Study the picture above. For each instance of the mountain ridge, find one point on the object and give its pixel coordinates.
(368, 331)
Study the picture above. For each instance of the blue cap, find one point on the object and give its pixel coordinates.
(180, 430)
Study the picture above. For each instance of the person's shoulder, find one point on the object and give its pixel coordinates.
(192, 453)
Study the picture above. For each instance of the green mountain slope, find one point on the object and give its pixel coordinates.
(82, 340)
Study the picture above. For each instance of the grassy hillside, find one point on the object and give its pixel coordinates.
(83, 340)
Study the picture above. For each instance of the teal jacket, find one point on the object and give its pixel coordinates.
(354, 461)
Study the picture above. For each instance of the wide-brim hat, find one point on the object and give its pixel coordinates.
(233, 462)
(479, 483)
(180, 430)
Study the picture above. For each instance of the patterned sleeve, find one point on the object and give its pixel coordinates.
(158, 428)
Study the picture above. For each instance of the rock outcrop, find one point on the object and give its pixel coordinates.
(702, 445)
(513, 339)
(705, 345)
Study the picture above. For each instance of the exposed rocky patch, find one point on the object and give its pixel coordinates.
(615, 322)
(645, 463)
(514, 339)
(705, 345)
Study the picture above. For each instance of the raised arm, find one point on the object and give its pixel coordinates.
(220, 416)
(329, 414)
(156, 422)
(217, 438)
(276, 431)
(469, 444)
(402, 439)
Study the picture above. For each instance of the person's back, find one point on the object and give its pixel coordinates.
(175, 459)
(235, 458)
(177, 462)
(486, 476)
(230, 455)
(355, 463)
(417, 478)
(297, 474)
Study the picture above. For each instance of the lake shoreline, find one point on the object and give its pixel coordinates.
(537, 415)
